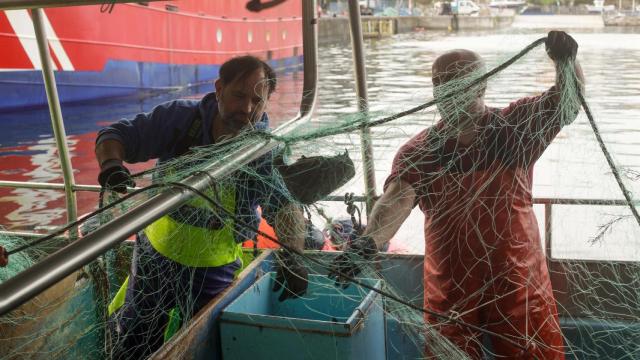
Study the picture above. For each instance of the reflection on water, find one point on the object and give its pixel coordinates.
(399, 70)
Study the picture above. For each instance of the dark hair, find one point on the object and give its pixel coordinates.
(242, 66)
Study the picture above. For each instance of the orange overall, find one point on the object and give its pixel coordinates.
(483, 257)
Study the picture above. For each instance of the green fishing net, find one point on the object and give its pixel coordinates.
(598, 301)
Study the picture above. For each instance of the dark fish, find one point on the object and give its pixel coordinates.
(310, 179)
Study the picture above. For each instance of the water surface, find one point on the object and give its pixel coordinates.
(399, 78)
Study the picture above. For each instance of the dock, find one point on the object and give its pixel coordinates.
(621, 19)
(378, 27)
(336, 29)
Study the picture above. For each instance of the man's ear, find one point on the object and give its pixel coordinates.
(218, 85)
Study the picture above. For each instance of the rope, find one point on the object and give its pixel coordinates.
(625, 192)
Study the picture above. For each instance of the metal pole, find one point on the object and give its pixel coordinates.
(541, 201)
(363, 102)
(55, 267)
(28, 235)
(46, 186)
(57, 123)
(310, 60)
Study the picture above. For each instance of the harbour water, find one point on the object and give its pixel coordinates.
(399, 78)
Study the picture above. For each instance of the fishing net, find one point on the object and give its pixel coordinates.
(471, 192)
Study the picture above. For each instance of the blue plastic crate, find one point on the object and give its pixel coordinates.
(327, 323)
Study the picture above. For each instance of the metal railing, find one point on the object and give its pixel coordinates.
(548, 204)
(47, 186)
(29, 283)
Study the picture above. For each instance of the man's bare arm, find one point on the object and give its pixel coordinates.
(388, 214)
(390, 211)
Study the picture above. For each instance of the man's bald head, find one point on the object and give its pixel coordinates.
(455, 64)
(461, 109)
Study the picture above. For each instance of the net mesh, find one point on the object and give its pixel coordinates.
(473, 193)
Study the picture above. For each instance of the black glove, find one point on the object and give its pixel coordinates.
(362, 248)
(4, 257)
(561, 46)
(292, 275)
(114, 176)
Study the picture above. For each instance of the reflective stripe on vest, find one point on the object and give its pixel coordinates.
(196, 246)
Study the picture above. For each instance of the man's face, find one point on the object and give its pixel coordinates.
(453, 76)
(241, 103)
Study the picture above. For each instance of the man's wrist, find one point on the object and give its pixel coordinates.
(367, 246)
(110, 163)
(289, 259)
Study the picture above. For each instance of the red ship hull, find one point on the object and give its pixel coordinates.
(140, 48)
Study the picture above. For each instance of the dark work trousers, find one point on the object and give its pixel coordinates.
(156, 286)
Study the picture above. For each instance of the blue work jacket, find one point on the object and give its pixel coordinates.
(155, 135)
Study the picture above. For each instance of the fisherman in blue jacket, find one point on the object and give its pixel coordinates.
(187, 257)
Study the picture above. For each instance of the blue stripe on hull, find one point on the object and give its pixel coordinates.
(25, 89)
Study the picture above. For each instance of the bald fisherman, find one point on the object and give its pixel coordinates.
(472, 175)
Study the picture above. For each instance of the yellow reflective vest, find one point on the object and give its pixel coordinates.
(197, 246)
